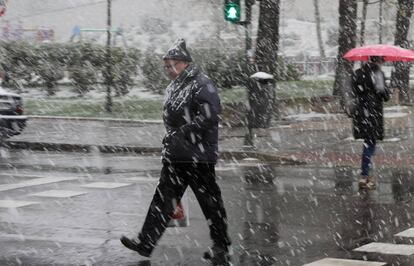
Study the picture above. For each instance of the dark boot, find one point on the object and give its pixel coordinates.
(136, 245)
(218, 256)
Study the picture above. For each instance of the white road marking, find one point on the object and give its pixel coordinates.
(407, 233)
(15, 203)
(35, 182)
(341, 262)
(109, 185)
(141, 179)
(59, 239)
(58, 193)
(386, 248)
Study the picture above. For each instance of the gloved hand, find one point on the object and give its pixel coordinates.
(173, 136)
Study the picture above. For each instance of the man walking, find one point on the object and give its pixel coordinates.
(191, 110)
(370, 92)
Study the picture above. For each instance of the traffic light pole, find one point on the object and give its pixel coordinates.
(232, 14)
(248, 141)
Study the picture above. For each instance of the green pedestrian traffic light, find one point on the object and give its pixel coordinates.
(232, 10)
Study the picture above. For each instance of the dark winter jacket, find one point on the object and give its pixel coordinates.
(191, 110)
(369, 92)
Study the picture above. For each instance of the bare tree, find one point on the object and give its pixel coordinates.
(318, 29)
(380, 18)
(400, 78)
(363, 21)
(346, 41)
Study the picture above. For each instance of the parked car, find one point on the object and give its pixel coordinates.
(12, 120)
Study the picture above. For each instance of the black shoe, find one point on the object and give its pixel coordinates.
(218, 256)
(136, 245)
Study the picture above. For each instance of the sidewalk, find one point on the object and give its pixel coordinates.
(324, 139)
(107, 136)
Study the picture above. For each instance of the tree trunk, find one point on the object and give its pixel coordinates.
(318, 29)
(268, 36)
(363, 21)
(401, 77)
(346, 41)
(50, 88)
(380, 18)
(261, 97)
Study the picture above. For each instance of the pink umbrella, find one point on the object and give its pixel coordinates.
(389, 52)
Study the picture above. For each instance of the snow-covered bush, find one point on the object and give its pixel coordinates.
(85, 62)
(286, 71)
(83, 78)
(125, 68)
(18, 62)
(229, 69)
(51, 60)
(84, 66)
(225, 68)
(152, 69)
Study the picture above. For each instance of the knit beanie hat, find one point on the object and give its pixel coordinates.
(178, 52)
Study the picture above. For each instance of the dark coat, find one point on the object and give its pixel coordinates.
(368, 115)
(191, 116)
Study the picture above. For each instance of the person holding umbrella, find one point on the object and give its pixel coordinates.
(370, 92)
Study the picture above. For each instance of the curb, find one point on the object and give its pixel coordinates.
(65, 147)
(226, 155)
(98, 119)
(76, 169)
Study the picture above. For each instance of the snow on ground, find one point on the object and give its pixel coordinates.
(310, 116)
(96, 94)
(397, 108)
(389, 112)
(326, 76)
(351, 138)
(144, 94)
(395, 115)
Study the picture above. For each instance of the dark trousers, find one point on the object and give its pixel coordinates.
(367, 152)
(175, 177)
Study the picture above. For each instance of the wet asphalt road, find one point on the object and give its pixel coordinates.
(278, 215)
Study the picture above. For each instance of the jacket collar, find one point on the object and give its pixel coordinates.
(191, 71)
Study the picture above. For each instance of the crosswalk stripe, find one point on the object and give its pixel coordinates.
(62, 239)
(140, 179)
(35, 182)
(387, 248)
(342, 262)
(15, 203)
(109, 185)
(407, 233)
(58, 193)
